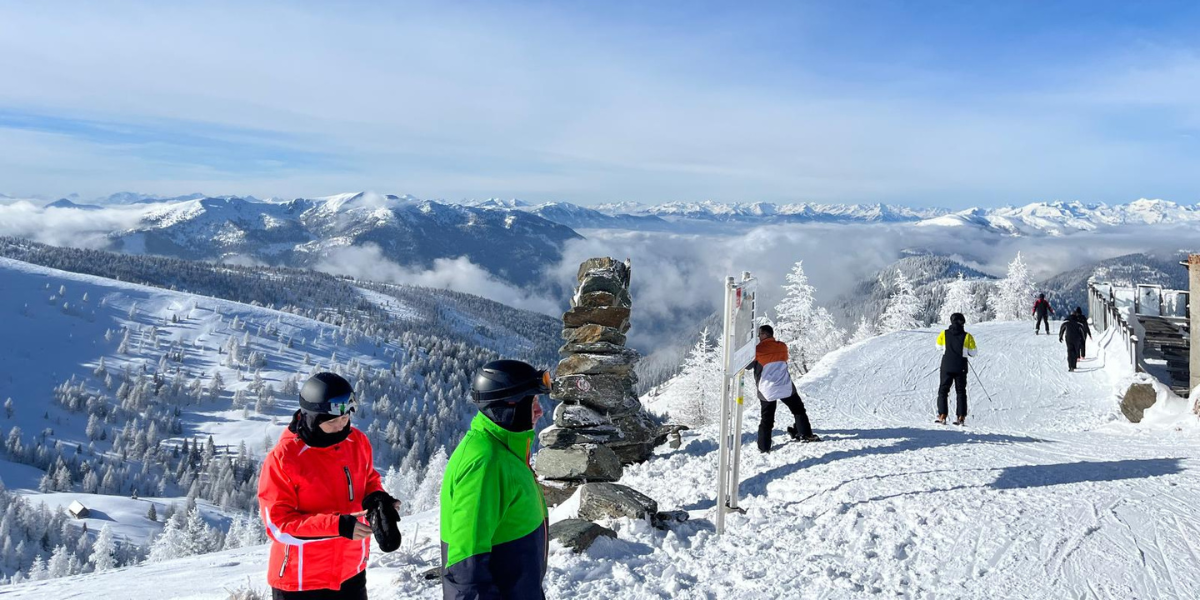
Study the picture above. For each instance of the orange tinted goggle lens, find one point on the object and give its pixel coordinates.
(546, 379)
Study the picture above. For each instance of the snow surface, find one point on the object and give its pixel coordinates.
(1048, 493)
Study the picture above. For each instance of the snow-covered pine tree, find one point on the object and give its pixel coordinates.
(696, 391)
(960, 298)
(808, 329)
(902, 308)
(103, 550)
(1014, 293)
(198, 537)
(864, 331)
(37, 571)
(58, 567)
(171, 543)
(401, 484)
(428, 493)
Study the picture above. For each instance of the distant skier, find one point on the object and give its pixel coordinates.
(1074, 333)
(493, 515)
(1043, 310)
(958, 346)
(1078, 317)
(774, 384)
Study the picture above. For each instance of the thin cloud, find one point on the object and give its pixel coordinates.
(545, 102)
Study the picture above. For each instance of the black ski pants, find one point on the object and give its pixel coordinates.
(354, 588)
(1083, 347)
(1038, 325)
(1073, 353)
(959, 380)
(767, 425)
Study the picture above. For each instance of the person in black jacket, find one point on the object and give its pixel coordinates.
(1073, 332)
(1043, 310)
(1078, 317)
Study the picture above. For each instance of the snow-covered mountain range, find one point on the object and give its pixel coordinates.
(412, 233)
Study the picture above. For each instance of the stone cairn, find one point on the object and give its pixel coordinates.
(599, 424)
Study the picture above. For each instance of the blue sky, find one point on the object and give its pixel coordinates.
(919, 103)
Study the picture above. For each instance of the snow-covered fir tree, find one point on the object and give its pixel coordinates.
(696, 391)
(172, 542)
(864, 331)
(1014, 294)
(809, 330)
(427, 494)
(103, 549)
(902, 308)
(960, 298)
(401, 484)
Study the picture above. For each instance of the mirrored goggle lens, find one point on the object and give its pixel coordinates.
(341, 406)
(546, 381)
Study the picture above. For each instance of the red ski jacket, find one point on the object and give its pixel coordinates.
(301, 492)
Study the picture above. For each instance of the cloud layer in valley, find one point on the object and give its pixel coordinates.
(677, 279)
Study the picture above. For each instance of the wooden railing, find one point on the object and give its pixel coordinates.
(1106, 313)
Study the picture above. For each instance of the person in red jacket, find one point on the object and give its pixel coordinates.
(314, 489)
(1043, 310)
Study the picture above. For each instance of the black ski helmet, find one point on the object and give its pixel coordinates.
(327, 394)
(958, 319)
(504, 390)
(1041, 296)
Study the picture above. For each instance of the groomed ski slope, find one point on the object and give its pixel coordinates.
(1048, 493)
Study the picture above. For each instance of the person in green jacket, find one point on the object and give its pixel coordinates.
(494, 518)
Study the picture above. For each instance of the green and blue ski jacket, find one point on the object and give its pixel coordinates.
(493, 517)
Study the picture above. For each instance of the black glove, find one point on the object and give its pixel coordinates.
(346, 526)
(384, 520)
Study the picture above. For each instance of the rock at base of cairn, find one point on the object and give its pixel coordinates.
(613, 501)
(577, 534)
(556, 493)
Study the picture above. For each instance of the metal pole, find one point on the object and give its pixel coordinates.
(737, 442)
(722, 459)
(985, 392)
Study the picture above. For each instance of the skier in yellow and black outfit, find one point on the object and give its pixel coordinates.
(958, 346)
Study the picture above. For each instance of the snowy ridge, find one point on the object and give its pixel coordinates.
(305, 232)
(1059, 218)
(1047, 494)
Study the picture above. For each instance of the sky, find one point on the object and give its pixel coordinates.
(917, 103)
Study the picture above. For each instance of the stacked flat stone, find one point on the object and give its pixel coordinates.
(599, 424)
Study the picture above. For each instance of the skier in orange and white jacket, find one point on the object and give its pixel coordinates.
(775, 385)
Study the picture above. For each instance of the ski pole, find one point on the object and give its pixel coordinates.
(985, 392)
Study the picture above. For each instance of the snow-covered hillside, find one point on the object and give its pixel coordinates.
(1046, 494)
(114, 389)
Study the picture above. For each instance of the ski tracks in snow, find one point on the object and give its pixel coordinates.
(1043, 495)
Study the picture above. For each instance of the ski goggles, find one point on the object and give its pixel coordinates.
(338, 407)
